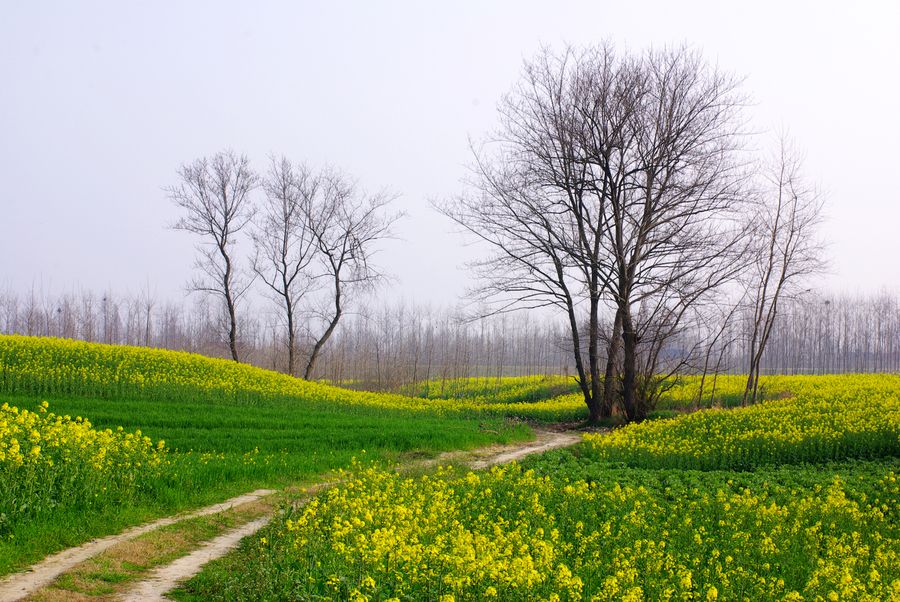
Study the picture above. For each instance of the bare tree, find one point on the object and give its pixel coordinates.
(614, 182)
(788, 251)
(675, 184)
(346, 225)
(215, 196)
(537, 204)
(284, 242)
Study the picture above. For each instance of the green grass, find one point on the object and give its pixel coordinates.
(304, 431)
(221, 450)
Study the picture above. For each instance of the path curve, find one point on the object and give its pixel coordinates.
(167, 577)
(544, 442)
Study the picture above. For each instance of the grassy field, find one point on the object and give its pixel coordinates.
(807, 507)
(213, 428)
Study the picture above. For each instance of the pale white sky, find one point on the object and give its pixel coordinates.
(101, 101)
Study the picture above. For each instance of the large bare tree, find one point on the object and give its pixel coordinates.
(537, 204)
(285, 246)
(345, 225)
(676, 189)
(214, 194)
(613, 183)
(788, 250)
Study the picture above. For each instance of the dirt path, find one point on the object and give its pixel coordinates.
(544, 442)
(19, 585)
(167, 577)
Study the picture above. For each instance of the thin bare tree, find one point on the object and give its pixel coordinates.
(284, 243)
(346, 225)
(787, 253)
(214, 194)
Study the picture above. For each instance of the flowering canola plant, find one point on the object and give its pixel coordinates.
(507, 389)
(49, 461)
(38, 366)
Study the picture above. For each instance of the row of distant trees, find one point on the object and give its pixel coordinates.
(378, 347)
(389, 347)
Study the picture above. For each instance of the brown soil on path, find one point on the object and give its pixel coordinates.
(167, 577)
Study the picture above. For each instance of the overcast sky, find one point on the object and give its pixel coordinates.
(101, 102)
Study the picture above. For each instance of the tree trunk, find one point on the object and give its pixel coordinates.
(292, 344)
(611, 356)
(593, 409)
(229, 303)
(317, 348)
(598, 409)
(629, 369)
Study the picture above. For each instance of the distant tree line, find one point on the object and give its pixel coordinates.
(388, 347)
(383, 348)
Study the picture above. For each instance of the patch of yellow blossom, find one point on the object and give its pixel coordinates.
(826, 418)
(47, 460)
(49, 366)
(510, 534)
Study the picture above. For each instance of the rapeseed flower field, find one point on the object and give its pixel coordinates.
(516, 534)
(47, 367)
(492, 390)
(793, 499)
(796, 498)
